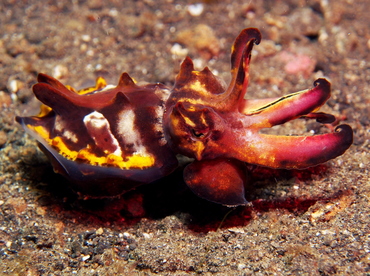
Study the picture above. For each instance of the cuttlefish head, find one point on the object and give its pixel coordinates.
(206, 121)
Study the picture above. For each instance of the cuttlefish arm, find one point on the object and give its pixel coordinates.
(244, 142)
(290, 152)
(266, 113)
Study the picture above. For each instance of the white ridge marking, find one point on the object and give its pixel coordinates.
(99, 129)
(60, 125)
(130, 134)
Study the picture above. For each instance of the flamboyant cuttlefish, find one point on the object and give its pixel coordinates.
(108, 140)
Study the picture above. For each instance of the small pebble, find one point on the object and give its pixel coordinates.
(99, 231)
(60, 71)
(147, 236)
(241, 266)
(14, 85)
(86, 38)
(177, 50)
(196, 9)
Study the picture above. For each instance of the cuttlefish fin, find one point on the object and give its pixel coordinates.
(218, 180)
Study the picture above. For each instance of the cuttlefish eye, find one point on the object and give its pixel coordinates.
(200, 133)
(191, 120)
(191, 127)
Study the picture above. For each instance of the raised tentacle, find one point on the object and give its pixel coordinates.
(240, 59)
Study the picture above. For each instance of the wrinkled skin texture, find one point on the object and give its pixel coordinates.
(108, 140)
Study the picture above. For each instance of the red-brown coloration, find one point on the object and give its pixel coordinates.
(205, 121)
(110, 140)
(205, 179)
